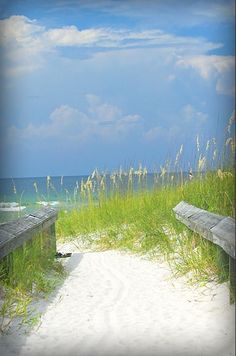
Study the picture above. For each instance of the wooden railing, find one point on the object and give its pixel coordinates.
(13, 234)
(216, 228)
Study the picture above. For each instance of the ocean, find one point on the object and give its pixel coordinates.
(21, 196)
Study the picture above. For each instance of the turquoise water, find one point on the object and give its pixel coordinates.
(21, 196)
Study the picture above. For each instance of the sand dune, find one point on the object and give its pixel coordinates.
(113, 303)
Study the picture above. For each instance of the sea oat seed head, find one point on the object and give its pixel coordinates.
(198, 143)
(215, 154)
(231, 120)
(35, 187)
(201, 163)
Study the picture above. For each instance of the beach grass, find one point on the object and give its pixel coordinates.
(27, 273)
(144, 222)
(120, 211)
(123, 211)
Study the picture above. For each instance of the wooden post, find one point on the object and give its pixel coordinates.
(232, 279)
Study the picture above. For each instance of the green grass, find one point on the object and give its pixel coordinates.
(29, 272)
(143, 222)
(114, 214)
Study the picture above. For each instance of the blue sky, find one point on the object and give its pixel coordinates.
(99, 84)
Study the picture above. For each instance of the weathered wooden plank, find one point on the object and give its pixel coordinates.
(4, 237)
(185, 210)
(209, 225)
(216, 228)
(45, 213)
(14, 233)
(224, 235)
(18, 226)
(202, 222)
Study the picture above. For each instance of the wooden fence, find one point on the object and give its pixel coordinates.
(13, 234)
(216, 228)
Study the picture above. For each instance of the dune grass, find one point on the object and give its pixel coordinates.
(27, 273)
(144, 222)
(123, 211)
(120, 211)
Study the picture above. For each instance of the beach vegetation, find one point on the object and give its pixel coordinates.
(26, 274)
(121, 211)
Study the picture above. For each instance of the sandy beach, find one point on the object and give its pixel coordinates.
(117, 304)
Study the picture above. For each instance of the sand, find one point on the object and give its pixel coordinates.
(114, 303)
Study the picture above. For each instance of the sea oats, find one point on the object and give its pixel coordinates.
(93, 174)
(231, 141)
(113, 178)
(102, 183)
(228, 141)
(163, 171)
(48, 181)
(89, 184)
(220, 174)
(35, 187)
(214, 141)
(14, 187)
(177, 158)
(201, 163)
(120, 173)
(145, 172)
(82, 186)
(215, 154)
(198, 143)
(131, 172)
(231, 120)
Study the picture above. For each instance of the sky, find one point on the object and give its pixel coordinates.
(101, 84)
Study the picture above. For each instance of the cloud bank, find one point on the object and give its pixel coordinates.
(100, 121)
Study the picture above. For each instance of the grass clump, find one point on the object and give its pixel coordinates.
(29, 272)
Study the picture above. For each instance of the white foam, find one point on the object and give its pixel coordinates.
(46, 203)
(13, 206)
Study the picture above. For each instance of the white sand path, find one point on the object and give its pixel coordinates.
(117, 304)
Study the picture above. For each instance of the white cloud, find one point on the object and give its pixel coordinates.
(190, 114)
(162, 133)
(100, 120)
(72, 36)
(220, 68)
(154, 133)
(23, 47)
(187, 117)
(26, 43)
